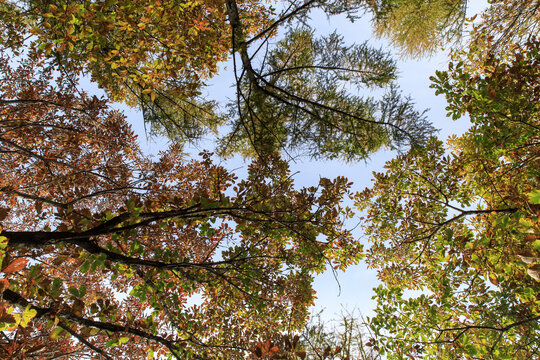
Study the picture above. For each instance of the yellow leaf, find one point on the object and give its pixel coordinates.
(28, 315)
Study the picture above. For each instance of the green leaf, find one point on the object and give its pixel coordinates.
(85, 266)
(56, 333)
(111, 343)
(56, 287)
(534, 197)
(73, 291)
(82, 291)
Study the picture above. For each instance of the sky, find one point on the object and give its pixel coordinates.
(352, 289)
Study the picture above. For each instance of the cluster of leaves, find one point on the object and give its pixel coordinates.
(153, 55)
(108, 253)
(506, 22)
(450, 226)
(143, 47)
(299, 98)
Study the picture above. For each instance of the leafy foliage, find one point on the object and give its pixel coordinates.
(506, 22)
(141, 47)
(455, 229)
(418, 27)
(152, 55)
(421, 27)
(107, 253)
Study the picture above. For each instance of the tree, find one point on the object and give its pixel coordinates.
(153, 55)
(296, 98)
(157, 56)
(105, 251)
(421, 27)
(342, 339)
(506, 22)
(455, 231)
(345, 338)
(130, 47)
(418, 27)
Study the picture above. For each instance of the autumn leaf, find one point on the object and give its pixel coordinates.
(15, 265)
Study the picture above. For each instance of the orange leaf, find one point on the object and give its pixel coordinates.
(16, 265)
(493, 279)
(272, 350)
(4, 284)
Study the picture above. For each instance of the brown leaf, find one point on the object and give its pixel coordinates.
(7, 318)
(326, 351)
(39, 207)
(3, 213)
(295, 341)
(258, 352)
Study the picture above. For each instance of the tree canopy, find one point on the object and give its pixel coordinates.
(103, 246)
(417, 27)
(108, 253)
(455, 230)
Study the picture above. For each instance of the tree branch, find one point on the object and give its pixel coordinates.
(17, 299)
